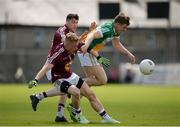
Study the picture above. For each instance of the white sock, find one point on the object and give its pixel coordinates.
(40, 96)
(60, 111)
(104, 115)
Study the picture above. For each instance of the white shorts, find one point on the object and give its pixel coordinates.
(87, 59)
(73, 80)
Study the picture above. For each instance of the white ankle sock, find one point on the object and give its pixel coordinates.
(40, 96)
(104, 115)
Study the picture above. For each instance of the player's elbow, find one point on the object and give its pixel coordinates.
(102, 83)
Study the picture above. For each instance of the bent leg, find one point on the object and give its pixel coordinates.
(90, 95)
(96, 104)
(60, 109)
(74, 91)
(95, 75)
(36, 98)
(93, 70)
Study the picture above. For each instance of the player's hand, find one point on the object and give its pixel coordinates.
(132, 58)
(32, 83)
(93, 26)
(104, 61)
(83, 36)
(84, 49)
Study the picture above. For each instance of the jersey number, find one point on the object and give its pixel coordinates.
(67, 67)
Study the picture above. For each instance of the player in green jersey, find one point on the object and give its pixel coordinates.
(96, 39)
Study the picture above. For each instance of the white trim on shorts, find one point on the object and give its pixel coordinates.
(87, 59)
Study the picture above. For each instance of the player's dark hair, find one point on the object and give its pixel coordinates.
(72, 16)
(122, 19)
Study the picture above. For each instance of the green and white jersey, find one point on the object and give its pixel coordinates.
(107, 34)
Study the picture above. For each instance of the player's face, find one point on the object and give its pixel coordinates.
(72, 24)
(119, 28)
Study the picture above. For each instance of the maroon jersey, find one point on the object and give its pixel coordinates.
(59, 36)
(61, 60)
(59, 57)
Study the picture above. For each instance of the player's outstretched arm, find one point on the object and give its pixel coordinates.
(117, 44)
(40, 74)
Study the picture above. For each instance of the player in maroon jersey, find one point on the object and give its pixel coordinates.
(66, 81)
(59, 37)
(58, 63)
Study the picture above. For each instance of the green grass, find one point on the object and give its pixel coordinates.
(131, 104)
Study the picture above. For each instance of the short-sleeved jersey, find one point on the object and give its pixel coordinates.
(61, 60)
(107, 33)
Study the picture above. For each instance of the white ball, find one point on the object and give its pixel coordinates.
(146, 66)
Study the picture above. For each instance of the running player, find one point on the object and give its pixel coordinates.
(96, 39)
(67, 82)
(59, 37)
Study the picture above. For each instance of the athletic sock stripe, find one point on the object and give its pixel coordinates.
(78, 111)
(44, 93)
(103, 113)
(60, 104)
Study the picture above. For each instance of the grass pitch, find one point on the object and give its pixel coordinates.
(131, 104)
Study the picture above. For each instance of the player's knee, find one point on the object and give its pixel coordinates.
(65, 86)
(103, 81)
(76, 93)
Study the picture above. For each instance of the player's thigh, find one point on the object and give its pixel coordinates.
(88, 70)
(87, 59)
(96, 71)
(74, 90)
